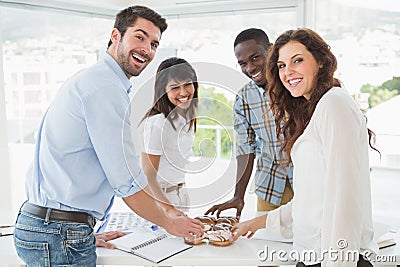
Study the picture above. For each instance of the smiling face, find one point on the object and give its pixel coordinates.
(137, 48)
(297, 69)
(180, 94)
(252, 58)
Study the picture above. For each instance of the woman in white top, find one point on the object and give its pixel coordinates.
(326, 137)
(168, 133)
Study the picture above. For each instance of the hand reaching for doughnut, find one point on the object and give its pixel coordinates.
(235, 202)
(248, 228)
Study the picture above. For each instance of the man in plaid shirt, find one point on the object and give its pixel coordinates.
(255, 126)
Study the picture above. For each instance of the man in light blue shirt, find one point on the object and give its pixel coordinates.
(84, 155)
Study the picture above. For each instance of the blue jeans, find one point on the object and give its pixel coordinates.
(54, 243)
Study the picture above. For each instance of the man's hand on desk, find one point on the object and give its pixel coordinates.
(102, 238)
(248, 228)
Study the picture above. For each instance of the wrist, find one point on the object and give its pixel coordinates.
(168, 207)
(262, 221)
(167, 222)
(239, 194)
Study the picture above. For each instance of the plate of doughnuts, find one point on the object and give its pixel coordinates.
(217, 231)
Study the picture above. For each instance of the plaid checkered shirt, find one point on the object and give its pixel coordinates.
(257, 135)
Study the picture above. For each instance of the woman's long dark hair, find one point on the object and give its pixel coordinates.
(285, 107)
(179, 70)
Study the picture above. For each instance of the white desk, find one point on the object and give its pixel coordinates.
(243, 252)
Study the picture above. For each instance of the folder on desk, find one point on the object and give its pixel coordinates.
(154, 246)
(386, 240)
(383, 236)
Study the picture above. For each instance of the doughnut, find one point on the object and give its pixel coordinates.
(219, 237)
(207, 227)
(206, 219)
(228, 219)
(196, 240)
(223, 220)
(222, 226)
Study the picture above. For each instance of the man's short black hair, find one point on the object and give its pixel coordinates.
(128, 16)
(252, 34)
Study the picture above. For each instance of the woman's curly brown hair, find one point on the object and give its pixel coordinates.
(294, 113)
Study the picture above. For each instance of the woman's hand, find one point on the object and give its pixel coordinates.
(248, 228)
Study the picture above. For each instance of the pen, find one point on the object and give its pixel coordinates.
(387, 246)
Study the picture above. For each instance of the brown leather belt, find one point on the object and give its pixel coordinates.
(58, 215)
(174, 188)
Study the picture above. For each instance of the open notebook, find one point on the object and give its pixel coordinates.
(154, 246)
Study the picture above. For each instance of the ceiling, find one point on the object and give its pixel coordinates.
(167, 8)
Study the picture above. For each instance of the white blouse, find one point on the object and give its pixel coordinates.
(332, 191)
(173, 146)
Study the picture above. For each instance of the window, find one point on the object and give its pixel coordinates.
(38, 56)
(40, 50)
(366, 40)
(209, 39)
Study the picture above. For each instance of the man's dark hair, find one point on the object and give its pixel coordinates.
(252, 34)
(128, 16)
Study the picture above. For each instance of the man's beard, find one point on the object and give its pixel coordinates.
(124, 62)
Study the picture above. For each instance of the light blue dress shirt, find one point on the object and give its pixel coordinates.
(84, 153)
